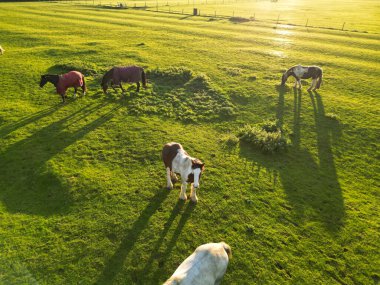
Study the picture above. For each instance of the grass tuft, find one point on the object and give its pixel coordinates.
(269, 137)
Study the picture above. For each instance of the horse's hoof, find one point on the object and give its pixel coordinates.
(183, 198)
(194, 200)
(169, 187)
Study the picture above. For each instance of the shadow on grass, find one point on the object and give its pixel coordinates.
(27, 184)
(8, 128)
(116, 262)
(311, 187)
(152, 276)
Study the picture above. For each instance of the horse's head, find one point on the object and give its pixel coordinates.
(44, 80)
(106, 78)
(104, 86)
(284, 78)
(197, 167)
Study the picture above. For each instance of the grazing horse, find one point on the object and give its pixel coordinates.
(117, 75)
(63, 82)
(2, 50)
(304, 72)
(206, 266)
(177, 160)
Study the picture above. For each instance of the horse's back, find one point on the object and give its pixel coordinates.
(169, 152)
(128, 74)
(69, 79)
(312, 72)
(73, 78)
(206, 265)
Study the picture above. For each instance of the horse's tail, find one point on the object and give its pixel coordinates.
(143, 77)
(84, 87)
(319, 80)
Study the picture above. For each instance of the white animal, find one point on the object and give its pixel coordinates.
(2, 50)
(206, 266)
(177, 160)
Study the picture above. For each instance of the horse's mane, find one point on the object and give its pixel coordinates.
(107, 76)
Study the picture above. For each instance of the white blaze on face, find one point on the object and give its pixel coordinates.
(197, 172)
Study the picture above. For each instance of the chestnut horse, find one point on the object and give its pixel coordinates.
(63, 82)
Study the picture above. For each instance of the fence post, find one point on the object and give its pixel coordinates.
(307, 21)
(343, 25)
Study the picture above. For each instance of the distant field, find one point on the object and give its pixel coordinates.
(350, 15)
(82, 197)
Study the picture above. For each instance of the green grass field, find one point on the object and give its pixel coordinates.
(82, 185)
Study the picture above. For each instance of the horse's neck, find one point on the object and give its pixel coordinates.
(108, 76)
(54, 79)
(182, 162)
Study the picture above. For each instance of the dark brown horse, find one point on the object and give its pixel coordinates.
(117, 75)
(304, 72)
(63, 82)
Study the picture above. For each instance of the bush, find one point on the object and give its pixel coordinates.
(173, 73)
(230, 140)
(268, 137)
(85, 68)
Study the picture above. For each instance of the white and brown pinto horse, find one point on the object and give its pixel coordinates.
(206, 266)
(177, 160)
(304, 72)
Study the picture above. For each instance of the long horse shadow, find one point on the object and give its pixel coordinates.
(116, 262)
(312, 188)
(162, 256)
(10, 127)
(26, 183)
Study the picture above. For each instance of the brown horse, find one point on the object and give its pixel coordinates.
(63, 82)
(130, 74)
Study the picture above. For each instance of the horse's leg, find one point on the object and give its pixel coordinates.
(193, 194)
(138, 86)
(182, 195)
(311, 85)
(63, 97)
(169, 181)
(121, 86)
(295, 83)
(318, 83)
(299, 84)
(75, 92)
(174, 177)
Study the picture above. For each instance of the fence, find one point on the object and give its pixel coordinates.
(205, 9)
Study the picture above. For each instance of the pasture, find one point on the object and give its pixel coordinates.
(83, 196)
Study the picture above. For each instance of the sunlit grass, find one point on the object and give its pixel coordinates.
(82, 195)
